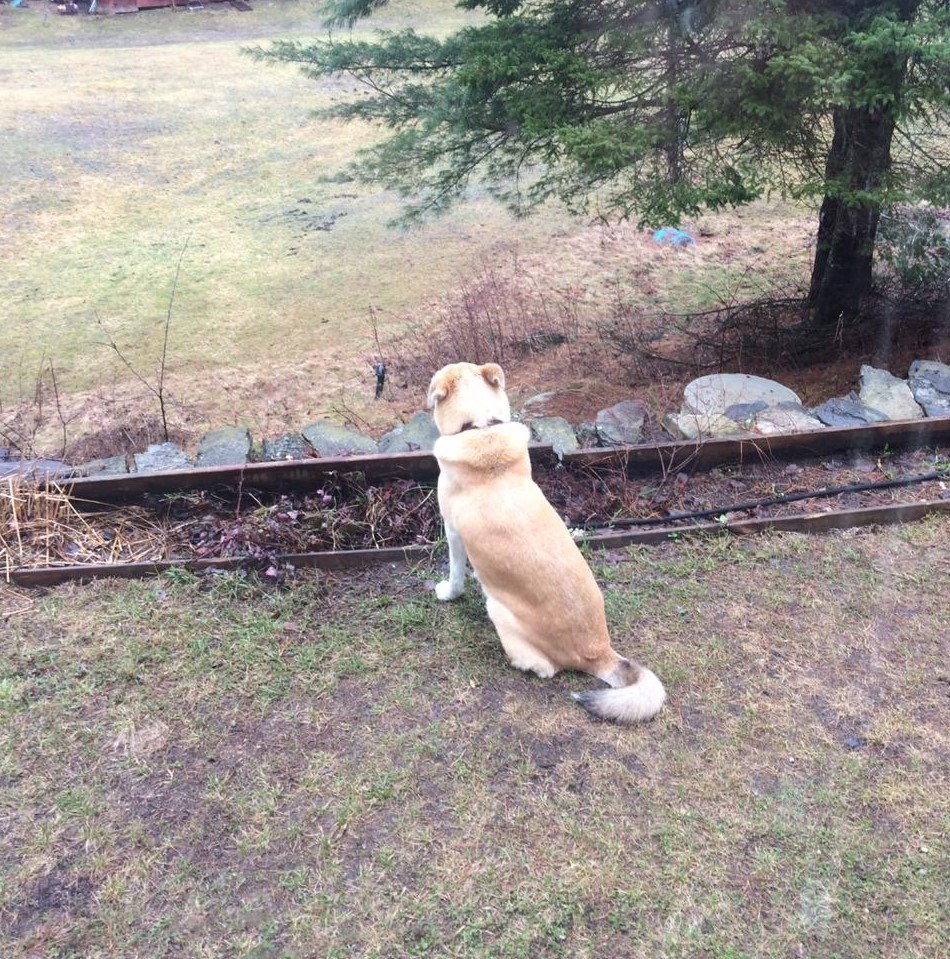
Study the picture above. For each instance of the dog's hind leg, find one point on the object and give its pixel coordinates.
(453, 587)
(521, 654)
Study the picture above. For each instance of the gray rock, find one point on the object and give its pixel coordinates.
(162, 456)
(229, 446)
(539, 399)
(847, 411)
(693, 426)
(106, 466)
(786, 418)
(328, 439)
(35, 469)
(555, 431)
(621, 424)
(744, 413)
(929, 381)
(290, 446)
(882, 391)
(715, 393)
(420, 433)
(587, 435)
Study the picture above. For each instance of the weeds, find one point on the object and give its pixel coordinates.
(43, 526)
(21, 423)
(495, 315)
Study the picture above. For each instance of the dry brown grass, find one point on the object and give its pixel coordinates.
(44, 526)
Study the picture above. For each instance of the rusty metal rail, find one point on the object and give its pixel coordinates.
(647, 460)
(644, 460)
(363, 558)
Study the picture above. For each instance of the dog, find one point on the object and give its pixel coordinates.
(540, 593)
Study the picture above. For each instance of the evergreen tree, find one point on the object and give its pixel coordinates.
(658, 109)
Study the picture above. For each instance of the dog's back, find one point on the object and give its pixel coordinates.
(524, 556)
(540, 593)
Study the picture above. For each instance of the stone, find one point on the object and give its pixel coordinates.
(556, 432)
(105, 466)
(892, 396)
(745, 413)
(35, 469)
(539, 399)
(621, 424)
(290, 446)
(160, 457)
(420, 433)
(847, 411)
(786, 418)
(715, 393)
(329, 439)
(587, 435)
(929, 381)
(694, 426)
(228, 446)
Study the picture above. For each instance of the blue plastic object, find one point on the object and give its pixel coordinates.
(673, 236)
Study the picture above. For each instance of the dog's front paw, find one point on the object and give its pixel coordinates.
(446, 590)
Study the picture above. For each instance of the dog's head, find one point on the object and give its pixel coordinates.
(464, 396)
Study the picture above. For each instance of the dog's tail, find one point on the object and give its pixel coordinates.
(635, 696)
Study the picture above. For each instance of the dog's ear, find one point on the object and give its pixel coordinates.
(438, 390)
(494, 375)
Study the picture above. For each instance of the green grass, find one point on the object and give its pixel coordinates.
(128, 138)
(131, 142)
(213, 767)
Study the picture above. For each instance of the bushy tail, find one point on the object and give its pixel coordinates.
(636, 694)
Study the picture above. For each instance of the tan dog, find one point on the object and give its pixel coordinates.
(540, 592)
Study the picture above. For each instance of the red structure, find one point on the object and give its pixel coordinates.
(131, 6)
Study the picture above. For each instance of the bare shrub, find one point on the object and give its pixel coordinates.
(760, 333)
(494, 316)
(767, 336)
(22, 422)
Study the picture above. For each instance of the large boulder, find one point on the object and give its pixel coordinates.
(159, 457)
(38, 469)
(727, 404)
(786, 418)
(847, 411)
(553, 431)
(290, 446)
(929, 381)
(882, 391)
(420, 433)
(717, 392)
(104, 466)
(329, 439)
(694, 426)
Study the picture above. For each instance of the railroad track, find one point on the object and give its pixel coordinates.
(664, 465)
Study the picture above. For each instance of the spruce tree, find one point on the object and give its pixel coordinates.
(659, 109)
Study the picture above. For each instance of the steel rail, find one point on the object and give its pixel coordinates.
(602, 540)
(779, 499)
(641, 460)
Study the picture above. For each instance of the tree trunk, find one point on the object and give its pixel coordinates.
(859, 157)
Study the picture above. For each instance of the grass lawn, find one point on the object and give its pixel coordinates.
(132, 142)
(344, 767)
(127, 140)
